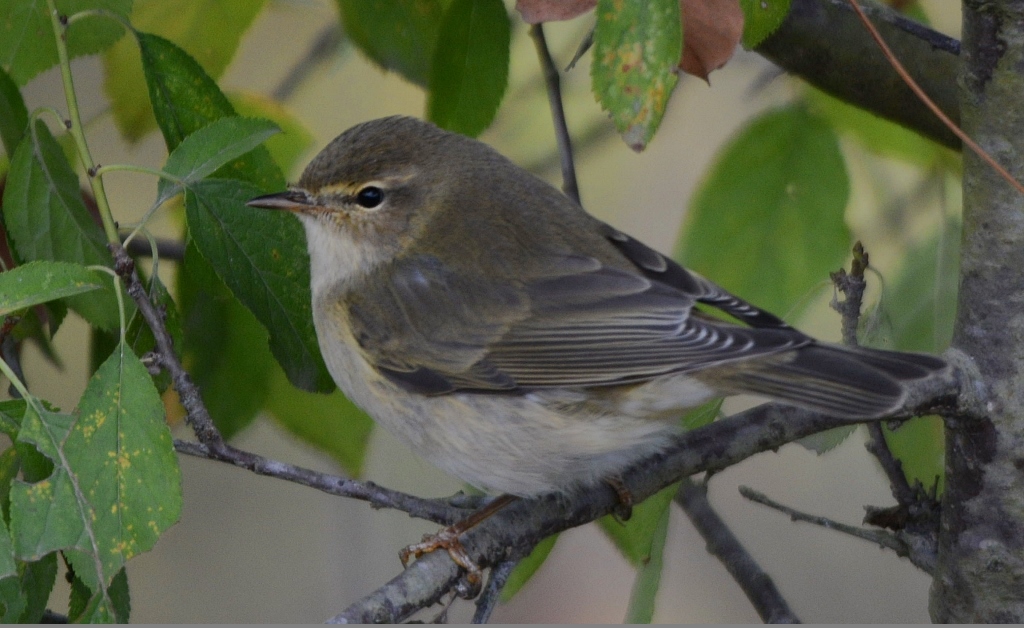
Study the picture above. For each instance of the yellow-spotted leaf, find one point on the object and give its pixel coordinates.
(209, 30)
(39, 282)
(637, 46)
(114, 486)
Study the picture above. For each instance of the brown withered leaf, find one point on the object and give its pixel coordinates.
(536, 11)
(711, 31)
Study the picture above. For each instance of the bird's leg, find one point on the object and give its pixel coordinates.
(624, 509)
(448, 538)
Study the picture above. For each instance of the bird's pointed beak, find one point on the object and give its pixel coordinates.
(290, 200)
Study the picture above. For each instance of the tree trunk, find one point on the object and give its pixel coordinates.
(980, 575)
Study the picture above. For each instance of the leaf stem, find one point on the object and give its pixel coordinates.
(99, 171)
(39, 111)
(59, 24)
(120, 297)
(71, 19)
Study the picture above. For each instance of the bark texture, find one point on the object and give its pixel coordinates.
(980, 574)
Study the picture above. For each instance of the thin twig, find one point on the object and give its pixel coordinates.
(597, 132)
(898, 484)
(491, 594)
(197, 416)
(553, 83)
(912, 84)
(165, 248)
(723, 545)
(895, 542)
(852, 285)
(875, 536)
(436, 510)
(327, 42)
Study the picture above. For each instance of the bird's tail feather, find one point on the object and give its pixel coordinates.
(836, 380)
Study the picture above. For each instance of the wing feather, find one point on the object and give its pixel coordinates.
(581, 324)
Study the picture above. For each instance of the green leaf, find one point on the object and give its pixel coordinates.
(648, 577)
(11, 411)
(37, 580)
(88, 607)
(13, 114)
(261, 256)
(28, 47)
(201, 153)
(8, 567)
(47, 220)
(767, 222)
(637, 46)
(286, 147)
(12, 601)
(39, 282)
(920, 444)
(636, 538)
(702, 414)
(876, 134)
(10, 465)
(918, 308)
(331, 422)
(761, 18)
(824, 442)
(185, 99)
(115, 485)
(527, 567)
(225, 348)
(398, 35)
(469, 71)
(209, 30)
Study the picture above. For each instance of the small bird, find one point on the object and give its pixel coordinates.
(517, 342)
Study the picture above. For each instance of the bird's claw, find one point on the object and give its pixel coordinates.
(448, 539)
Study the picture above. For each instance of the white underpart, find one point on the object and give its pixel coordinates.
(544, 441)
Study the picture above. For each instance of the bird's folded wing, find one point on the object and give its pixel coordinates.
(580, 324)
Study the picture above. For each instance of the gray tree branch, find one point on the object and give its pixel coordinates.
(723, 545)
(981, 536)
(825, 43)
(919, 550)
(522, 524)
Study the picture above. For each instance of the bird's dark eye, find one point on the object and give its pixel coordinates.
(370, 197)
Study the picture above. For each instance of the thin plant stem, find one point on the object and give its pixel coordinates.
(60, 35)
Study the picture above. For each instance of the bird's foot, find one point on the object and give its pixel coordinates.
(448, 539)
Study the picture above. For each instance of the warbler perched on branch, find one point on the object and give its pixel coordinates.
(519, 343)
